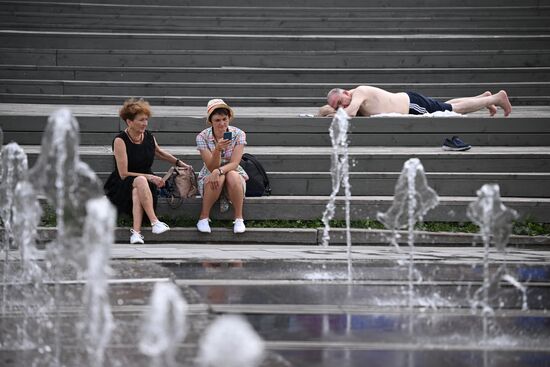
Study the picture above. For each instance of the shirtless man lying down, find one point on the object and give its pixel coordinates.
(366, 101)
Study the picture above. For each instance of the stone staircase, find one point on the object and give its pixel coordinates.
(275, 62)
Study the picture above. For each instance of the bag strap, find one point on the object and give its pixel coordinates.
(175, 202)
(168, 173)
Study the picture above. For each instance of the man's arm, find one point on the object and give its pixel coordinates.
(357, 99)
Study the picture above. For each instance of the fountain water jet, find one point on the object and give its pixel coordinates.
(165, 325)
(412, 200)
(73, 181)
(97, 323)
(495, 221)
(67, 184)
(14, 170)
(230, 341)
(26, 218)
(340, 175)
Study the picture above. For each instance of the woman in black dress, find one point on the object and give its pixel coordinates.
(132, 187)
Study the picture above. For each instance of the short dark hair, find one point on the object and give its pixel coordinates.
(219, 111)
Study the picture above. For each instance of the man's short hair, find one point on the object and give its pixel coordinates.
(334, 91)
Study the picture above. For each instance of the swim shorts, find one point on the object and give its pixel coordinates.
(419, 104)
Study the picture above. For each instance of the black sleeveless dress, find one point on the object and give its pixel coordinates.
(140, 160)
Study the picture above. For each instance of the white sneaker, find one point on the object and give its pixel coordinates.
(159, 227)
(238, 226)
(203, 226)
(136, 237)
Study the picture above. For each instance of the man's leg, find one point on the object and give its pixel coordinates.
(472, 104)
(492, 108)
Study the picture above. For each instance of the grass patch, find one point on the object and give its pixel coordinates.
(49, 218)
(528, 227)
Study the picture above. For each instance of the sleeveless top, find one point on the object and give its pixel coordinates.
(140, 156)
(140, 159)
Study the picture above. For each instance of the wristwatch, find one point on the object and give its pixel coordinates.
(221, 172)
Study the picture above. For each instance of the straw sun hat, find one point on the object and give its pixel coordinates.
(214, 104)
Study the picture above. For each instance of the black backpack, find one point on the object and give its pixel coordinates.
(258, 183)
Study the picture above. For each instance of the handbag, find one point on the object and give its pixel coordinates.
(180, 183)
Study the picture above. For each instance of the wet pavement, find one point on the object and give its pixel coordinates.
(299, 300)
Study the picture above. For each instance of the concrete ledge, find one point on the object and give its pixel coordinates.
(450, 209)
(251, 91)
(423, 238)
(276, 59)
(315, 9)
(304, 237)
(377, 183)
(163, 41)
(189, 114)
(147, 4)
(524, 120)
(264, 75)
(411, 21)
(522, 129)
(383, 183)
(522, 98)
(364, 159)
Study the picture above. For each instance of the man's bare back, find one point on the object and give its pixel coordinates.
(366, 101)
(375, 101)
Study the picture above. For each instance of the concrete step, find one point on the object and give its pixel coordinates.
(327, 6)
(253, 89)
(450, 209)
(244, 112)
(266, 102)
(363, 159)
(522, 129)
(276, 59)
(302, 237)
(256, 94)
(524, 184)
(383, 183)
(276, 75)
(303, 9)
(411, 22)
(184, 41)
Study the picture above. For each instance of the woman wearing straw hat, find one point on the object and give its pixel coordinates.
(221, 175)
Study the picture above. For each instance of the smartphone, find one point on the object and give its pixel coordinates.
(228, 135)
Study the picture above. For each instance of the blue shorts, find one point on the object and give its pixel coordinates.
(420, 104)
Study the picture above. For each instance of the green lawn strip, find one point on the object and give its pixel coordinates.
(527, 227)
